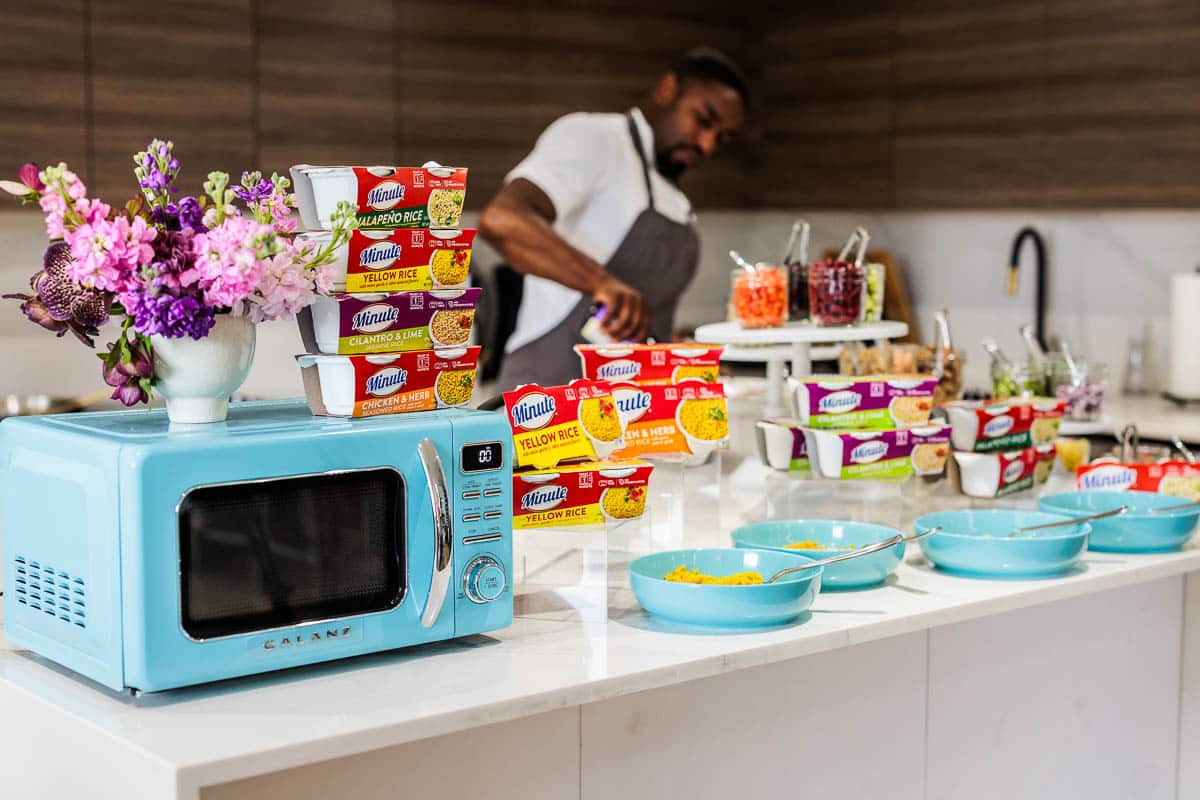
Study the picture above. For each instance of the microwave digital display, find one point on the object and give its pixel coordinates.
(482, 457)
(266, 554)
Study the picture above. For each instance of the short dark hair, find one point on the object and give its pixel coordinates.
(709, 64)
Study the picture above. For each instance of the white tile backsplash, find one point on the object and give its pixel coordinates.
(1108, 277)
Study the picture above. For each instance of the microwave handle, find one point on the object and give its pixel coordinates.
(443, 541)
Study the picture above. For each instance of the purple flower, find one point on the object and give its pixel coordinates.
(177, 216)
(168, 315)
(129, 369)
(255, 193)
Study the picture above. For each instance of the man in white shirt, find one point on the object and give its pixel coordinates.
(594, 216)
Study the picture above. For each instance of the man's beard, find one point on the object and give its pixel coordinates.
(669, 169)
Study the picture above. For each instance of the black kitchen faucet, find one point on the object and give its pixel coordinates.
(1014, 262)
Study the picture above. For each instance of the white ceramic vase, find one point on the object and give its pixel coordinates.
(197, 376)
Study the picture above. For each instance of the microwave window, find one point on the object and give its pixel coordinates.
(266, 554)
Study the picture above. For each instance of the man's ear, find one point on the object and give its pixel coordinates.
(666, 90)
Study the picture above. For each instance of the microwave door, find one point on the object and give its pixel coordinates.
(265, 554)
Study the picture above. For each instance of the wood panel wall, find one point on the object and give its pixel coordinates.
(241, 84)
(983, 104)
(876, 104)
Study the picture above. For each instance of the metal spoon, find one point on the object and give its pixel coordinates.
(741, 262)
(1074, 521)
(1176, 507)
(871, 548)
(1188, 455)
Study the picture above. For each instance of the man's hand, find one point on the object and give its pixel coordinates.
(518, 223)
(627, 315)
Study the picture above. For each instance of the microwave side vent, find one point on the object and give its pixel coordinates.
(54, 592)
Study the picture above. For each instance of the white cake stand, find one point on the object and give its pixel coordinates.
(791, 342)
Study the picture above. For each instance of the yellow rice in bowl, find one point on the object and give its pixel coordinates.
(454, 386)
(682, 574)
(450, 267)
(704, 419)
(598, 415)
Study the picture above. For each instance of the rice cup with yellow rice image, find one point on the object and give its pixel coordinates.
(704, 374)
(704, 423)
(723, 588)
(454, 387)
(601, 424)
(450, 268)
(375, 384)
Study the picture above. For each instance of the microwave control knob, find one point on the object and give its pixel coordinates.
(485, 580)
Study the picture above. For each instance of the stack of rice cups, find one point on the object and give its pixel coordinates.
(1003, 447)
(872, 427)
(576, 445)
(394, 336)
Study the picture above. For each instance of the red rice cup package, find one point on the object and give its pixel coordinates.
(688, 418)
(372, 385)
(997, 474)
(431, 196)
(580, 494)
(553, 424)
(648, 364)
(348, 324)
(1180, 478)
(399, 260)
(1004, 424)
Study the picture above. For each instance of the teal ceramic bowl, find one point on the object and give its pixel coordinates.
(724, 606)
(836, 536)
(1135, 531)
(976, 543)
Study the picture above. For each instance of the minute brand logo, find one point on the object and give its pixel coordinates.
(533, 411)
(387, 381)
(380, 255)
(374, 318)
(839, 402)
(543, 498)
(386, 195)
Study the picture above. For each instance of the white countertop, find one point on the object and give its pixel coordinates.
(1155, 417)
(579, 637)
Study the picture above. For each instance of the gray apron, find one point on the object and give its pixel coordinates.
(658, 257)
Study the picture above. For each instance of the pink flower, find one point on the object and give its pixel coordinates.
(286, 287)
(229, 261)
(108, 252)
(30, 176)
(54, 208)
(92, 211)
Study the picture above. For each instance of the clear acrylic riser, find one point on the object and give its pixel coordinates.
(574, 569)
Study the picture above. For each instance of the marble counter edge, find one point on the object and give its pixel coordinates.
(251, 764)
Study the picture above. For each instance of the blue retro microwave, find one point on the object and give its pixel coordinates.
(148, 556)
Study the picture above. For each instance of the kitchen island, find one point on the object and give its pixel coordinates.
(930, 686)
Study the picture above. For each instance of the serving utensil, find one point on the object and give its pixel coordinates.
(1183, 449)
(1073, 521)
(871, 548)
(1176, 507)
(741, 262)
(800, 232)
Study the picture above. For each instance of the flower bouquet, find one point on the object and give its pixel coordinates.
(174, 271)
